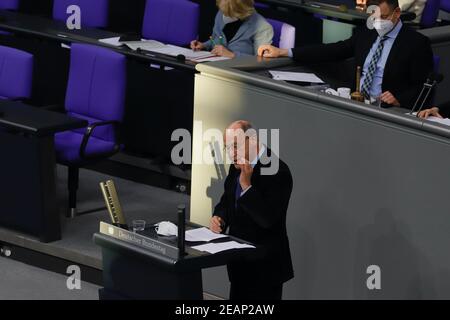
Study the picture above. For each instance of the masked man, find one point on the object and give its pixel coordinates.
(395, 60)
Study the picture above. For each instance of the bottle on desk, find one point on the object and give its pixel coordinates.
(357, 95)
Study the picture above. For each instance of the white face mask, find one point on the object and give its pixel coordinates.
(166, 228)
(227, 20)
(383, 26)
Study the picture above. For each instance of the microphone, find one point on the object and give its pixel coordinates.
(181, 57)
(181, 229)
(432, 80)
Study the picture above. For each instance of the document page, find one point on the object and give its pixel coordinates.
(222, 246)
(202, 234)
(172, 50)
(295, 76)
(115, 41)
(149, 45)
(445, 121)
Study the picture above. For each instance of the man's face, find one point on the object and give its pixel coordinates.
(237, 146)
(387, 13)
(241, 146)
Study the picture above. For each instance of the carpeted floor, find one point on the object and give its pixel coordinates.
(19, 281)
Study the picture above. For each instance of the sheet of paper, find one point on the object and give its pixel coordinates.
(445, 121)
(222, 246)
(211, 59)
(172, 50)
(112, 41)
(202, 234)
(295, 76)
(149, 45)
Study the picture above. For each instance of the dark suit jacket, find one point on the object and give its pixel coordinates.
(444, 109)
(408, 66)
(260, 218)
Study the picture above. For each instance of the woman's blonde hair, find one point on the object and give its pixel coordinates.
(240, 9)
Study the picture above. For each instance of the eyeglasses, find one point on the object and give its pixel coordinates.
(232, 146)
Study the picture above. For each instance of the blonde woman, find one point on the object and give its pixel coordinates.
(238, 30)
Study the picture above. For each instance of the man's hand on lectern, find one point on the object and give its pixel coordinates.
(216, 224)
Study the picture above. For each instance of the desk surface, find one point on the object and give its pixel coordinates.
(28, 119)
(246, 70)
(193, 259)
(58, 31)
(332, 11)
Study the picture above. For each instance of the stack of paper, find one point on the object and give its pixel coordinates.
(149, 45)
(445, 121)
(167, 49)
(211, 59)
(172, 50)
(295, 76)
(202, 234)
(115, 41)
(222, 246)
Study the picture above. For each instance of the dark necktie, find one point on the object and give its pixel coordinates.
(238, 191)
(372, 68)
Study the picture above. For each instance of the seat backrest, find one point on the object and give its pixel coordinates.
(260, 5)
(9, 4)
(171, 21)
(16, 73)
(96, 86)
(283, 34)
(445, 5)
(94, 13)
(430, 13)
(437, 63)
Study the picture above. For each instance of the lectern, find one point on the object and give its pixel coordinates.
(146, 266)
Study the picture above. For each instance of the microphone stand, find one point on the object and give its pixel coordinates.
(430, 88)
(181, 230)
(426, 85)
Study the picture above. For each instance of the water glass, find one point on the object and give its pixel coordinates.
(138, 225)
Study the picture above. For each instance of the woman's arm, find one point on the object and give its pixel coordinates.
(264, 35)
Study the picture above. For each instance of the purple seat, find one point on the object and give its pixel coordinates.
(171, 21)
(283, 34)
(93, 13)
(96, 93)
(261, 5)
(445, 5)
(430, 13)
(9, 4)
(16, 73)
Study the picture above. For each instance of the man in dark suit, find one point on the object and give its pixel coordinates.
(253, 207)
(395, 59)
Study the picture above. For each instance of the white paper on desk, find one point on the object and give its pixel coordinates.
(445, 121)
(295, 76)
(202, 234)
(222, 246)
(211, 59)
(172, 50)
(115, 41)
(149, 45)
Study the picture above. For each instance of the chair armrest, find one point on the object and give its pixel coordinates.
(408, 16)
(89, 131)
